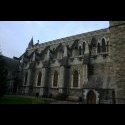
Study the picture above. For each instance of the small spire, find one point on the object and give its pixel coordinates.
(30, 43)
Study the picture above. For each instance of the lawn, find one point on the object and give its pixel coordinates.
(22, 100)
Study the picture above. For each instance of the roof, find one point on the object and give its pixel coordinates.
(70, 40)
(12, 64)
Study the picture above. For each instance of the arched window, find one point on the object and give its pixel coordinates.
(39, 79)
(103, 45)
(80, 50)
(93, 42)
(98, 48)
(75, 79)
(26, 75)
(55, 80)
(83, 47)
(93, 45)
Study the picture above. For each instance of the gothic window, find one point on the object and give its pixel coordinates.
(80, 50)
(98, 48)
(83, 47)
(103, 45)
(25, 82)
(75, 79)
(55, 80)
(39, 79)
(93, 42)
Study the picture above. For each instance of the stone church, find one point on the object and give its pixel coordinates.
(88, 66)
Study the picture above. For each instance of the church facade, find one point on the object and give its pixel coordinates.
(79, 66)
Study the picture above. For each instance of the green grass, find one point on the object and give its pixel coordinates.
(21, 100)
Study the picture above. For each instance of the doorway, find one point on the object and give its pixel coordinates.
(91, 98)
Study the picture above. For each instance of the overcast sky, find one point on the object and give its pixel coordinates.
(15, 35)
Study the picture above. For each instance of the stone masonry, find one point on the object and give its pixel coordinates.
(117, 38)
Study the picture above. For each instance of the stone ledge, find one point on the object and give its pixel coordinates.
(72, 98)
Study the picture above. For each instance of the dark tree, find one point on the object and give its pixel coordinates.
(3, 76)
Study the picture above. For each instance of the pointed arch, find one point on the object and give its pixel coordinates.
(55, 80)
(75, 44)
(59, 51)
(92, 45)
(93, 42)
(75, 48)
(103, 45)
(39, 79)
(75, 78)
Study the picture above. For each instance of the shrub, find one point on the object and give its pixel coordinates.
(3, 76)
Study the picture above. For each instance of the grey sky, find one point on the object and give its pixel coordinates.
(15, 35)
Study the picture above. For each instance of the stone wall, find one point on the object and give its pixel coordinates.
(117, 38)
